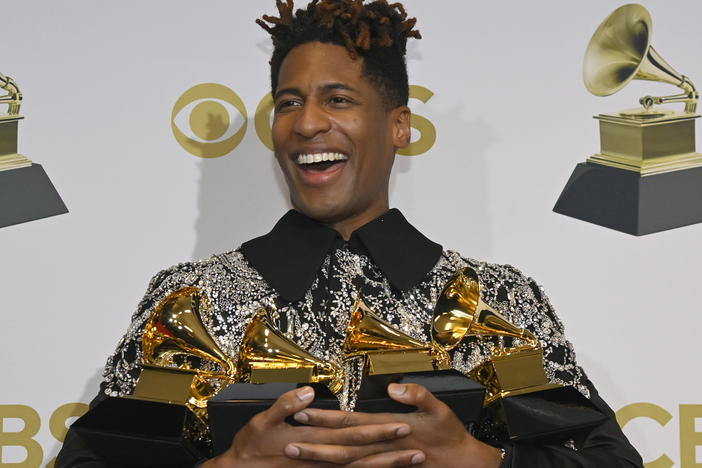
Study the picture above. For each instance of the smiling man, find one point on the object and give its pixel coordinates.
(340, 87)
(335, 136)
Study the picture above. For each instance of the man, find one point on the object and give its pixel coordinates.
(340, 88)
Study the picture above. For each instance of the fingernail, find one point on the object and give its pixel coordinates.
(402, 431)
(417, 458)
(397, 389)
(301, 417)
(305, 393)
(292, 451)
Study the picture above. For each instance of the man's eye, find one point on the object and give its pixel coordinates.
(286, 103)
(340, 100)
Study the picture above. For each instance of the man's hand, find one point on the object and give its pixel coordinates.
(268, 441)
(435, 431)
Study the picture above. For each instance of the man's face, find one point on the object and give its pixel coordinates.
(333, 136)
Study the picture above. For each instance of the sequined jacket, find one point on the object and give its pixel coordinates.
(309, 278)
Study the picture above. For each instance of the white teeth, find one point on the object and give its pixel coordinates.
(319, 157)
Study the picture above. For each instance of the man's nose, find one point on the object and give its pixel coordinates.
(311, 120)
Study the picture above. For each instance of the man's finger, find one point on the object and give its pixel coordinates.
(390, 459)
(339, 419)
(416, 395)
(288, 404)
(329, 453)
(356, 435)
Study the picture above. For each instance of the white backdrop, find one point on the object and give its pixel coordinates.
(512, 119)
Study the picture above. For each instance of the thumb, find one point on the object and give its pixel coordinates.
(289, 403)
(415, 395)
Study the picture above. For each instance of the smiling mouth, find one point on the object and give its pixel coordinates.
(320, 162)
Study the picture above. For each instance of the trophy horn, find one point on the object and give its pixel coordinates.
(620, 51)
(175, 328)
(460, 312)
(13, 97)
(368, 332)
(266, 355)
(385, 349)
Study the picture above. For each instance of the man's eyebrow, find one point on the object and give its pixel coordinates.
(294, 91)
(326, 87)
(338, 86)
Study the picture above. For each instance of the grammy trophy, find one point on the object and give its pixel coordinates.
(647, 176)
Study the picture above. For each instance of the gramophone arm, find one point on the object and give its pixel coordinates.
(14, 97)
(689, 97)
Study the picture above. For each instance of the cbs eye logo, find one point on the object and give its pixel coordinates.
(207, 109)
(209, 120)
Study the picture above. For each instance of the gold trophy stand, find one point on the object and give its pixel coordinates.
(647, 177)
(26, 193)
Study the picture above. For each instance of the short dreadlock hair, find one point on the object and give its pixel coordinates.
(376, 32)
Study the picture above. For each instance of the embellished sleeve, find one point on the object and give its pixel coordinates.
(123, 366)
(559, 357)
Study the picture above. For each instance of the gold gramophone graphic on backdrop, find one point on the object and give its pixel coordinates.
(26, 193)
(647, 176)
(460, 313)
(9, 158)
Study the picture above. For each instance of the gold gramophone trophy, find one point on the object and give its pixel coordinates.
(266, 356)
(9, 159)
(386, 350)
(392, 356)
(173, 336)
(647, 176)
(520, 402)
(175, 330)
(268, 365)
(460, 314)
(26, 193)
(184, 370)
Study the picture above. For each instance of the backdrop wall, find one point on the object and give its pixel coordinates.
(498, 82)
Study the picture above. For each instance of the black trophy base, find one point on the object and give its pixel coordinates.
(550, 414)
(460, 393)
(136, 433)
(27, 194)
(234, 406)
(625, 201)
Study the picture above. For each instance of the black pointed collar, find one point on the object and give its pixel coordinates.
(290, 256)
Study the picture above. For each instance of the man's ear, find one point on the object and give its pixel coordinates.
(401, 129)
